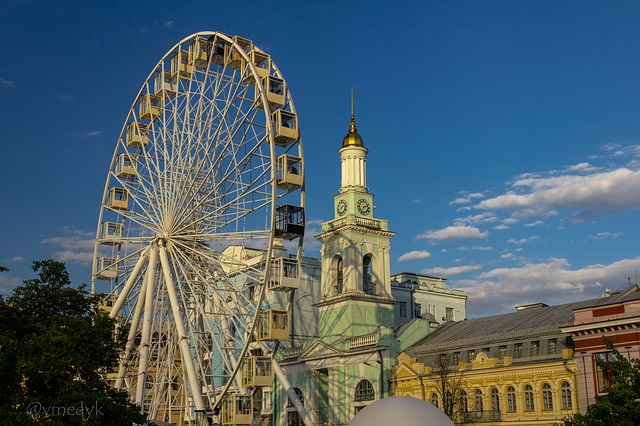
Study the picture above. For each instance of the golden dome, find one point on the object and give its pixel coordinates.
(352, 138)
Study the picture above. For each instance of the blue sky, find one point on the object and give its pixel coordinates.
(503, 136)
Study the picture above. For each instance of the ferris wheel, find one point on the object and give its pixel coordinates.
(204, 191)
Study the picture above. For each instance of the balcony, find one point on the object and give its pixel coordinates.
(482, 416)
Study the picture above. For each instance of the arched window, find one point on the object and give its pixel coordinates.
(511, 399)
(566, 396)
(293, 417)
(336, 277)
(495, 400)
(463, 402)
(364, 391)
(478, 400)
(448, 403)
(367, 275)
(547, 397)
(528, 398)
(434, 399)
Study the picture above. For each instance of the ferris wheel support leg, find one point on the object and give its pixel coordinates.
(131, 338)
(304, 415)
(129, 284)
(187, 359)
(150, 282)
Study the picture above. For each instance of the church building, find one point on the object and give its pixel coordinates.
(349, 364)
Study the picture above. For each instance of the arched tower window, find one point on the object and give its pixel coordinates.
(367, 275)
(463, 402)
(336, 276)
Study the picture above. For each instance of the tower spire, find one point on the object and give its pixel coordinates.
(352, 127)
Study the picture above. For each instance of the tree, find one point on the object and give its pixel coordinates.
(619, 406)
(448, 384)
(56, 348)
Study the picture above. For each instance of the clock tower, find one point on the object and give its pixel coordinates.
(356, 285)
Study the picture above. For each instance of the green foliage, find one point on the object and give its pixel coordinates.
(619, 406)
(56, 346)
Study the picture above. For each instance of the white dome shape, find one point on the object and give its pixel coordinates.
(401, 411)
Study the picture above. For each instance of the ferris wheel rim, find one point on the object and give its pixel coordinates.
(149, 241)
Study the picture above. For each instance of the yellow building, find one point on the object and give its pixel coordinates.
(498, 370)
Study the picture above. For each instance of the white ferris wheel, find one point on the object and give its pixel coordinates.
(205, 183)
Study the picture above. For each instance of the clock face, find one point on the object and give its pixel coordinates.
(363, 206)
(342, 207)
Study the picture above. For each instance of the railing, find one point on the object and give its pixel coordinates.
(366, 340)
(482, 416)
(293, 352)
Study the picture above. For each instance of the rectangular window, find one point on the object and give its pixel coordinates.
(403, 309)
(605, 377)
(534, 349)
(552, 346)
(417, 310)
(502, 351)
(517, 350)
(471, 355)
(456, 358)
(449, 314)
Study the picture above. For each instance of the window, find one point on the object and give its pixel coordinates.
(299, 395)
(495, 400)
(478, 398)
(605, 376)
(528, 398)
(293, 417)
(448, 402)
(534, 350)
(368, 283)
(463, 402)
(403, 309)
(511, 400)
(434, 399)
(251, 292)
(517, 350)
(471, 355)
(552, 346)
(449, 314)
(339, 276)
(565, 389)
(364, 391)
(547, 398)
(502, 351)
(456, 358)
(417, 310)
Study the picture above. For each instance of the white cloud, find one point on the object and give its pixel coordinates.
(466, 198)
(66, 98)
(531, 224)
(486, 217)
(454, 233)
(6, 84)
(606, 192)
(77, 244)
(447, 272)
(605, 236)
(552, 282)
(523, 240)
(414, 255)
(168, 24)
(475, 248)
(14, 259)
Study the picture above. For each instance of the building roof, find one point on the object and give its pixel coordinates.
(527, 322)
